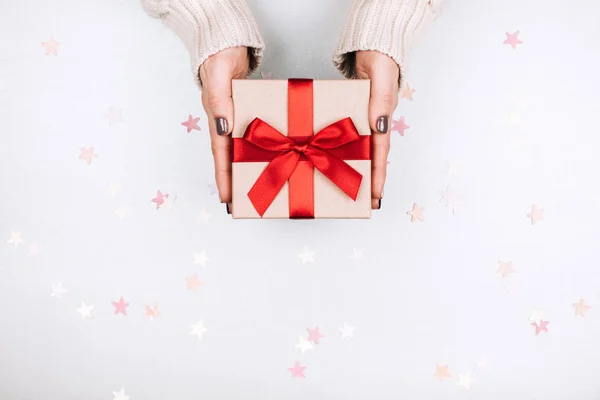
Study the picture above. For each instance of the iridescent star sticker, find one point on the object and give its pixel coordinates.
(581, 308)
(452, 168)
(513, 39)
(15, 239)
(198, 329)
(314, 335)
(307, 255)
(120, 395)
(201, 258)
(193, 283)
(505, 268)
(407, 92)
(87, 154)
(297, 370)
(151, 311)
(399, 126)
(85, 311)
(120, 306)
(114, 115)
(122, 212)
(536, 215)
(465, 380)
(191, 123)
(303, 345)
(347, 331)
(51, 46)
(212, 188)
(441, 372)
(416, 213)
(203, 217)
(57, 290)
(451, 198)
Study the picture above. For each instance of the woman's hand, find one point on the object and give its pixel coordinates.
(383, 72)
(216, 74)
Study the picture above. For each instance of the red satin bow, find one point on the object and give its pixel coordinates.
(315, 149)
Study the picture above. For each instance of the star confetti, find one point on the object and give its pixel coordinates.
(203, 217)
(122, 212)
(347, 331)
(451, 198)
(465, 380)
(193, 283)
(201, 258)
(159, 199)
(151, 311)
(314, 335)
(87, 154)
(505, 269)
(513, 39)
(399, 126)
(57, 290)
(416, 213)
(441, 372)
(120, 306)
(266, 75)
(303, 345)
(168, 203)
(537, 315)
(51, 46)
(536, 215)
(307, 255)
(212, 188)
(120, 395)
(452, 168)
(15, 239)
(113, 189)
(191, 123)
(581, 308)
(297, 371)
(114, 115)
(357, 255)
(198, 329)
(407, 92)
(85, 311)
(541, 327)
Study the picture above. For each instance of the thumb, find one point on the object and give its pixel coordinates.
(384, 98)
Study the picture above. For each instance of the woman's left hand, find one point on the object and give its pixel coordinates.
(383, 72)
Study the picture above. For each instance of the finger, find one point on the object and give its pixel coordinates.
(218, 103)
(384, 98)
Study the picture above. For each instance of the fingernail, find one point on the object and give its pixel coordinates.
(379, 207)
(221, 125)
(227, 207)
(382, 124)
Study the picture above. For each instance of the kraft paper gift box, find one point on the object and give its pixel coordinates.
(301, 149)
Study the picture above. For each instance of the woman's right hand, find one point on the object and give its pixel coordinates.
(216, 74)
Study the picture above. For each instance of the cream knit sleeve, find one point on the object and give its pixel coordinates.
(392, 27)
(209, 26)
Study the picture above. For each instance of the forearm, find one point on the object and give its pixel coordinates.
(209, 26)
(391, 27)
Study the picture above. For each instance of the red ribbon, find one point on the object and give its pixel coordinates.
(293, 158)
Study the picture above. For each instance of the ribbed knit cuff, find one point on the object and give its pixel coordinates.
(209, 26)
(391, 27)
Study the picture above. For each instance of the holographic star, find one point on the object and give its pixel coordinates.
(120, 306)
(581, 308)
(198, 329)
(51, 46)
(193, 283)
(347, 331)
(58, 290)
(303, 345)
(120, 395)
(191, 123)
(441, 372)
(87, 154)
(465, 380)
(297, 371)
(212, 188)
(314, 335)
(307, 255)
(151, 311)
(452, 168)
(416, 213)
(122, 212)
(399, 126)
(85, 311)
(203, 217)
(201, 258)
(505, 268)
(536, 215)
(451, 198)
(114, 115)
(513, 39)
(15, 239)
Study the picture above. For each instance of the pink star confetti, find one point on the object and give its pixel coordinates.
(159, 199)
(513, 39)
(581, 308)
(505, 269)
(114, 115)
(399, 126)
(266, 75)
(120, 306)
(297, 371)
(191, 123)
(407, 92)
(441, 372)
(151, 311)
(314, 335)
(541, 327)
(87, 154)
(416, 213)
(51, 46)
(536, 215)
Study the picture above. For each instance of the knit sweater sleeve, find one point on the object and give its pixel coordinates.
(209, 26)
(392, 27)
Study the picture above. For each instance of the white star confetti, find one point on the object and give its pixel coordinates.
(307, 255)
(58, 290)
(465, 380)
(15, 239)
(120, 395)
(201, 258)
(85, 311)
(452, 199)
(203, 217)
(122, 212)
(357, 255)
(212, 188)
(113, 189)
(452, 168)
(198, 329)
(304, 345)
(347, 331)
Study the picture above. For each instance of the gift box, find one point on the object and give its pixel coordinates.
(301, 149)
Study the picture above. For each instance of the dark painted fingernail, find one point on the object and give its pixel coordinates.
(227, 206)
(382, 124)
(221, 125)
(379, 207)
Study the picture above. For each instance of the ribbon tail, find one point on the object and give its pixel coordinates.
(271, 181)
(337, 171)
